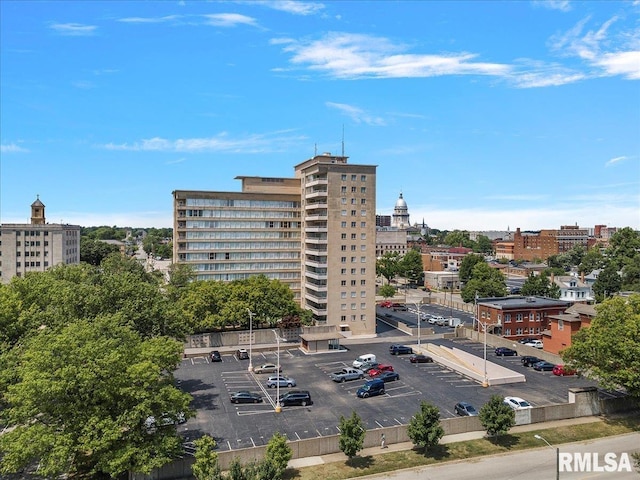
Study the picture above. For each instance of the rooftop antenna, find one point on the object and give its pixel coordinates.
(315, 149)
(343, 139)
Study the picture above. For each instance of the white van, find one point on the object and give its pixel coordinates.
(362, 359)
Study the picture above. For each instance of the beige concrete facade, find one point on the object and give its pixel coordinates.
(338, 241)
(228, 236)
(36, 246)
(314, 232)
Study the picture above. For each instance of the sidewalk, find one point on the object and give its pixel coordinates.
(460, 437)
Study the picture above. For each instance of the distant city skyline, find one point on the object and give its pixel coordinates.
(485, 115)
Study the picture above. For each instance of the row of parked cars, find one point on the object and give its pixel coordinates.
(292, 397)
(537, 363)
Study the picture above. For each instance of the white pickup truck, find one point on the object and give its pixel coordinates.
(347, 374)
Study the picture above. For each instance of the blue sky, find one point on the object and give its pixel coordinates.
(485, 115)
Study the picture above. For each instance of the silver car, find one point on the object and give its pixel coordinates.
(280, 380)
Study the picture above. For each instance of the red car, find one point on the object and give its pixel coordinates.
(561, 371)
(374, 372)
(385, 304)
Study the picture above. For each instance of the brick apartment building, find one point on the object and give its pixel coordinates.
(562, 327)
(541, 245)
(519, 317)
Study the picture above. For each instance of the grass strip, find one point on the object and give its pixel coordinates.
(391, 461)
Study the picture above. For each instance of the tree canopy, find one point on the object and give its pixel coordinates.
(388, 266)
(424, 427)
(208, 305)
(485, 281)
(351, 434)
(411, 266)
(609, 350)
(496, 416)
(540, 285)
(81, 398)
(89, 353)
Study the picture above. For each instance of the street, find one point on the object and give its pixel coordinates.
(538, 464)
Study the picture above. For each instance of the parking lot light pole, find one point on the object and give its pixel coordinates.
(557, 449)
(251, 314)
(278, 407)
(485, 380)
(418, 313)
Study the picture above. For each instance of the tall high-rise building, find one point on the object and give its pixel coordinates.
(36, 246)
(314, 232)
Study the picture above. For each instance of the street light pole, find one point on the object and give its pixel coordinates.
(557, 449)
(278, 407)
(251, 314)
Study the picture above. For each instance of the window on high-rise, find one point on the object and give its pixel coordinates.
(353, 178)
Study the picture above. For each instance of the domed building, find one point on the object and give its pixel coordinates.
(400, 217)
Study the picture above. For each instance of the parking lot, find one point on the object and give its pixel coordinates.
(237, 426)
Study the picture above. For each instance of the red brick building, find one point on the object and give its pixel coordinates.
(543, 244)
(519, 317)
(563, 327)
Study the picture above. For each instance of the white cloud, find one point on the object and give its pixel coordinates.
(167, 18)
(562, 5)
(611, 52)
(292, 6)
(626, 64)
(356, 114)
(615, 160)
(12, 148)
(272, 142)
(73, 29)
(229, 19)
(84, 85)
(345, 55)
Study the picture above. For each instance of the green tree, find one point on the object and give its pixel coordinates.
(388, 266)
(467, 264)
(351, 434)
(485, 281)
(623, 245)
(278, 454)
(539, 285)
(206, 466)
(609, 351)
(83, 398)
(424, 428)
(387, 291)
(94, 251)
(236, 472)
(592, 260)
(496, 416)
(459, 238)
(483, 244)
(411, 266)
(608, 282)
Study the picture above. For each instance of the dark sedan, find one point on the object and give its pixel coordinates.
(465, 409)
(419, 358)
(215, 356)
(529, 361)
(544, 366)
(389, 376)
(245, 397)
(506, 352)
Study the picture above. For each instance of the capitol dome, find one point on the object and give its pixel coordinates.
(401, 203)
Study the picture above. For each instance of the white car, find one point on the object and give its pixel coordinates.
(517, 403)
(534, 344)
